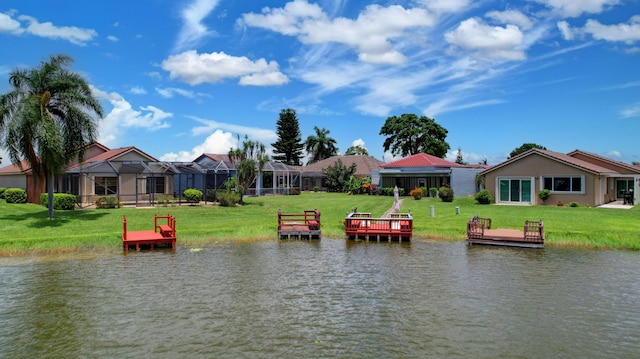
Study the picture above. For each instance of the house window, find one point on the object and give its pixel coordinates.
(155, 183)
(105, 186)
(514, 190)
(563, 184)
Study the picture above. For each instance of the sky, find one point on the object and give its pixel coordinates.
(185, 77)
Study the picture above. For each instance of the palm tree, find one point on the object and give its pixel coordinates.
(46, 119)
(320, 146)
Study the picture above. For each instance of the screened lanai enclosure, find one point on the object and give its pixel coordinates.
(136, 182)
(144, 183)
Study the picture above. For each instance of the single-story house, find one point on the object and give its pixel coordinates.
(127, 173)
(428, 171)
(312, 175)
(276, 177)
(577, 176)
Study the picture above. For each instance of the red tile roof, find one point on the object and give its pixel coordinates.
(421, 160)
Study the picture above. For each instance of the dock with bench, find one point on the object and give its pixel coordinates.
(479, 231)
(362, 225)
(163, 233)
(304, 225)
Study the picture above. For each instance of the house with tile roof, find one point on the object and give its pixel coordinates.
(428, 171)
(577, 176)
(312, 175)
(127, 173)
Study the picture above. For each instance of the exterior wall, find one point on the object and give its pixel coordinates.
(14, 181)
(463, 181)
(537, 166)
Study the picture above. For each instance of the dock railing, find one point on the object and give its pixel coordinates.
(306, 224)
(364, 225)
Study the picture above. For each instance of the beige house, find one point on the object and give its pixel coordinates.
(127, 173)
(578, 176)
(313, 176)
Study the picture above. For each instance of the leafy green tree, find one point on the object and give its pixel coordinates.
(524, 148)
(320, 145)
(410, 135)
(249, 160)
(288, 148)
(338, 176)
(47, 119)
(356, 150)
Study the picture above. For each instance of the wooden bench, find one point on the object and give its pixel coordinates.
(164, 232)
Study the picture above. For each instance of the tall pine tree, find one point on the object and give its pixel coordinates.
(288, 147)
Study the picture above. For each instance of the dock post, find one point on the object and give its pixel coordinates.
(432, 211)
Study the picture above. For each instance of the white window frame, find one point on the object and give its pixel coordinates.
(520, 178)
(571, 177)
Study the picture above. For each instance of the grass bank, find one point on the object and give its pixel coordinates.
(27, 228)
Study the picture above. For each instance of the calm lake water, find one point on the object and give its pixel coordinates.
(323, 299)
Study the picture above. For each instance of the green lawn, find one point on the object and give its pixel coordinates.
(27, 228)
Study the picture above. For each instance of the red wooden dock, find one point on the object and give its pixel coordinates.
(163, 233)
(360, 225)
(299, 225)
(479, 232)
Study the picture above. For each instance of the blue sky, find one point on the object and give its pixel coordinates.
(181, 78)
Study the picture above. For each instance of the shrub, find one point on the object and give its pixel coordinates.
(416, 193)
(211, 195)
(445, 194)
(192, 195)
(483, 197)
(15, 195)
(108, 202)
(544, 195)
(228, 198)
(316, 188)
(574, 204)
(166, 201)
(433, 192)
(61, 201)
(2, 189)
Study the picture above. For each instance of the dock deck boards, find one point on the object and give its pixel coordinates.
(359, 225)
(160, 235)
(304, 225)
(479, 232)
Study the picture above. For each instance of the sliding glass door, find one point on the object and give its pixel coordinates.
(515, 190)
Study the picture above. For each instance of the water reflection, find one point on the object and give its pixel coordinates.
(326, 298)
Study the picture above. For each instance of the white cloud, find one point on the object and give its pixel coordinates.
(575, 8)
(631, 111)
(218, 142)
(614, 153)
(193, 30)
(513, 17)
(257, 134)
(122, 116)
(445, 6)
(628, 33)
(194, 68)
(112, 38)
(74, 35)
(137, 90)
(7, 24)
(371, 34)
(565, 30)
(170, 92)
(492, 41)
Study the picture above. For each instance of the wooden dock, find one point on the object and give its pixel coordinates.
(304, 225)
(479, 231)
(396, 227)
(163, 233)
